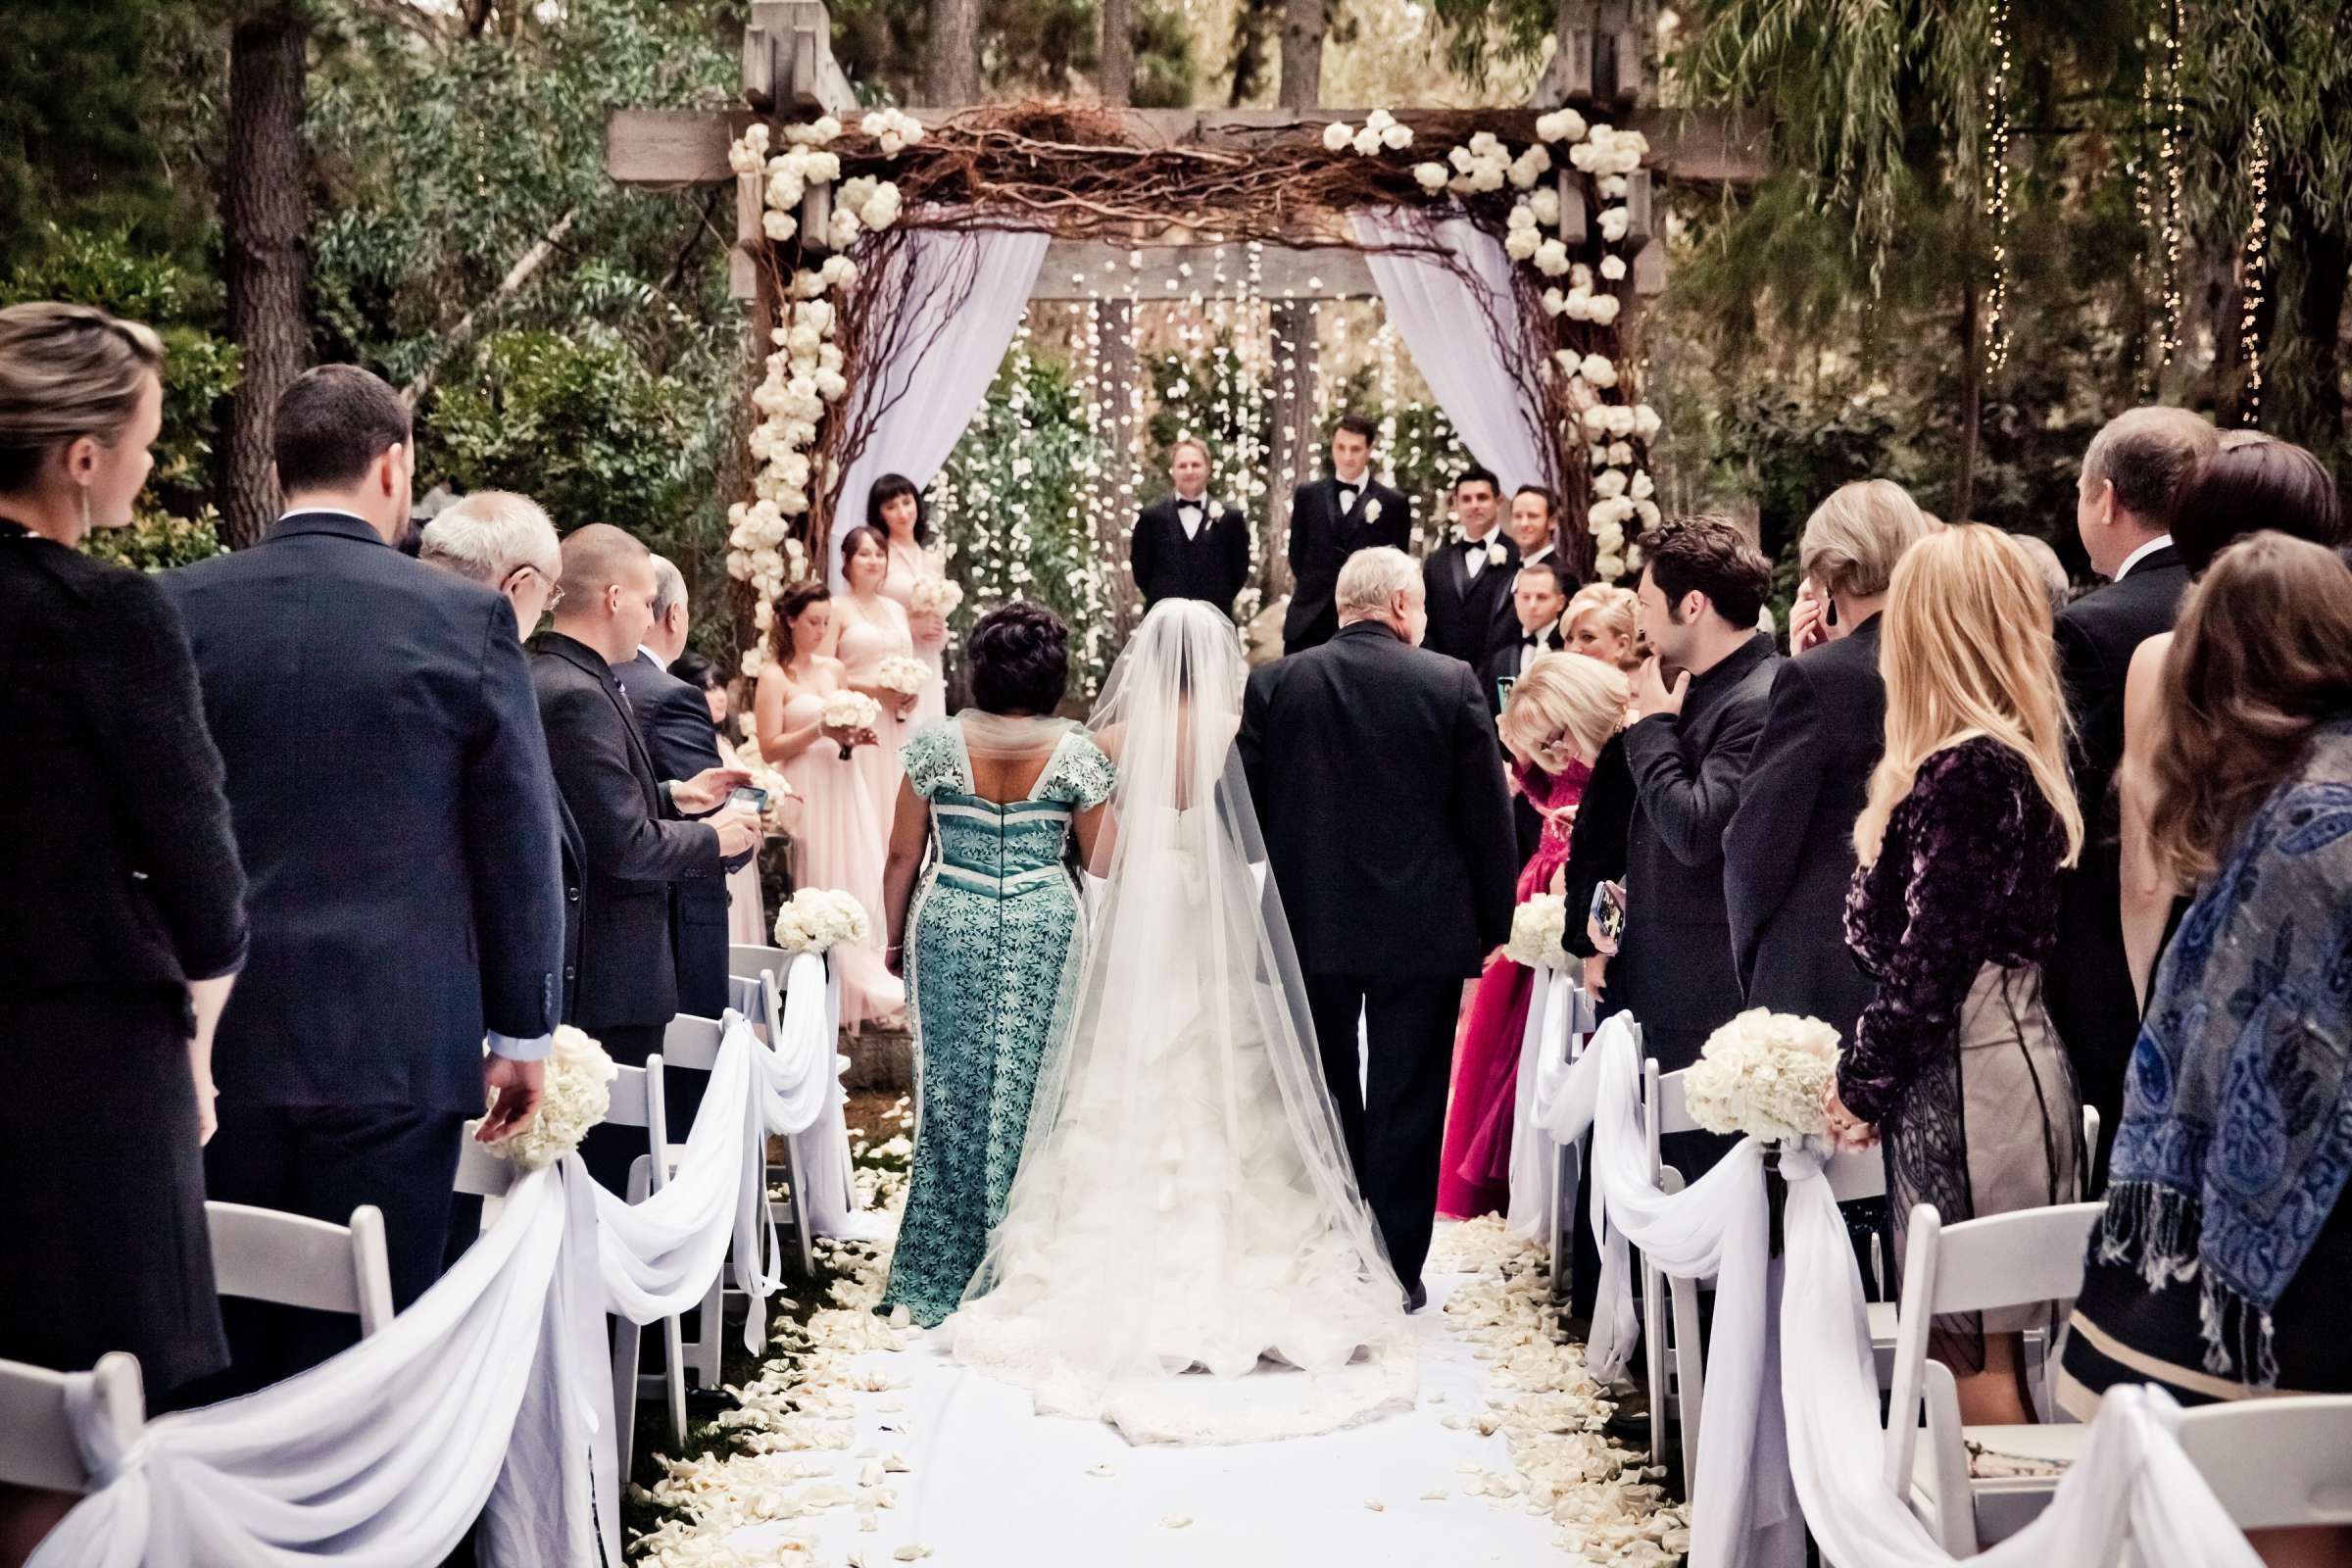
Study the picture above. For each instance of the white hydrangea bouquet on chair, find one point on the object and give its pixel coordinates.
(850, 711)
(575, 1095)
(1766, 1075)
(818, 920)
(1539, 929)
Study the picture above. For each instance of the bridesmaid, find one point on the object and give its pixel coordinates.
(990, 941)
(841, 838)
(895, 507)
(869, 628)
(1561, 725)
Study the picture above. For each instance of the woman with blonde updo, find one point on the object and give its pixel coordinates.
(123, 921)
(1954, 907)
(1600, 622)
(1560, 726)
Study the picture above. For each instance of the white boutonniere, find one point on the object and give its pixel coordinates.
(1372, 510)
(1496, 555)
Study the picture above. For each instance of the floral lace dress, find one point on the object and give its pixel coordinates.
(993, 948)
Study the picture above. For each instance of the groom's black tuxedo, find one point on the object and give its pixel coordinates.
(1469, 615)
(1211, 564)
(1378, 783)
(1324, 534)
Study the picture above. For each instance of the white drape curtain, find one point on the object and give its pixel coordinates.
(492, 1395)
(1442, 316)
(917, 404)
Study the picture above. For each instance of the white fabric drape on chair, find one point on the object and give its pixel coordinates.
(917, 404)
(1442, 316)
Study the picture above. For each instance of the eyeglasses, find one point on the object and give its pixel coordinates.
(554, 589)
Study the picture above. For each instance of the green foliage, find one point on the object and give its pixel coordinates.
(155, 542)
(1028, 48)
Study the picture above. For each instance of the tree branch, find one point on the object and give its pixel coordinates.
(516, 277)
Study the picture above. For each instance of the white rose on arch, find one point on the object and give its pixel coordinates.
(1555, 302)
(1608, 567)
(1612, 267)
(1646, 423)
(1648, 512)
(1546, 205)
(1613, 221)
(1522, 215)
(1598, 370)
(1338, 135)
(1561, 124)
(1395, 139)
(1643, 487)
(1609, 483)
(1620, 418)
(1521, 244)
(1550, 257)
(1367, 142)
(1618, 455)
(1431, 177)
(1603, 310)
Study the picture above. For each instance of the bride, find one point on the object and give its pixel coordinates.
(1184, 1215)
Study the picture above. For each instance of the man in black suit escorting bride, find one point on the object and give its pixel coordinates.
(1378, 783)
(1189, 545)
(1332, 518)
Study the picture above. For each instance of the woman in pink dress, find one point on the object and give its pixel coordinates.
(842, 841)
(869, 628)
(1561, 725)
(896, 507)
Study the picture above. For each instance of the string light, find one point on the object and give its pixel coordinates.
(2249, 331)
(1996, 190)
(2169, 341)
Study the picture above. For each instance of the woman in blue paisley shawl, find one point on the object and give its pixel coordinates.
(2220, 1265)
(990, 944)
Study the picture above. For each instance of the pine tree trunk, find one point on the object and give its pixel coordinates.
(1972, 402)
(1118, 51)
(264, 202)
(1301, 53)
(2319, 320)
(952, 57)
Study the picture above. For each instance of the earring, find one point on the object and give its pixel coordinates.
(86, 509)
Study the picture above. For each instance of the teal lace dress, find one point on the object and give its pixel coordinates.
(993, 947)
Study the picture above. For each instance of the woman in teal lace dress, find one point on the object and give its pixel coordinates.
(990, 943)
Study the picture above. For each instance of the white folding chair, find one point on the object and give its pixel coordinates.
(2025, 1259)
(692, 1041)
(635, 1102)
(1666, 1109)
(764, 968)
(261, 1255)
(2275, 1464)
(37, 1444)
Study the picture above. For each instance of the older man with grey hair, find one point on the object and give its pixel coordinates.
(503, 541)
(2140, 468)
(675, 719)
(1378, 784)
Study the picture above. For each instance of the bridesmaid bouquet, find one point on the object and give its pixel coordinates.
(577, 1092)
(852, 711)
(1766, 1075)
(903, 675)
(815, 919)
(934, 596)
(1537, 929)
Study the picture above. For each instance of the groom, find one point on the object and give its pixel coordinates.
(1378, 783)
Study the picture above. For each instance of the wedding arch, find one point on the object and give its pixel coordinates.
(890, 256)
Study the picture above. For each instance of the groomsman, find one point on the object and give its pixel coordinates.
(1189, 545)
(1330, 519)
(392, 804)
(1534, 524)
(1538, 600)
(2139, 469)
(676, 720)
(1468, 579)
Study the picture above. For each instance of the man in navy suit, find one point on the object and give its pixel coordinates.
(394, 809)
(1330, 519)
(676, 720)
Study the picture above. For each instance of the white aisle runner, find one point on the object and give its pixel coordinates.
(986, 1482)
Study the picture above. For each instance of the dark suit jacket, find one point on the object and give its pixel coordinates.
(674, 717)
(1322, 538)
(389, 783)
(1212, 566)
(627, 974)
(1789, 854)
(2088, 983)
(1597, 840)
(1674, 966)
(1503, 661)
(575, 902)
(1378, 783)
(1468, 618)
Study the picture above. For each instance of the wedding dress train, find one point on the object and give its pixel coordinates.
(1183, 1252)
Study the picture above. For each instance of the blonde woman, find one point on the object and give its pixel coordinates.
(1599, 624)
(1954, 905)
(1560, 726)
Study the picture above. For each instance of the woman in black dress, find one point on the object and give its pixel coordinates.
(124, 925)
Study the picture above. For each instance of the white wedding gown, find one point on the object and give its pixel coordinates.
(1183, 1252)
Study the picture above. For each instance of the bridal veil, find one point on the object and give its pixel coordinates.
(1184, 1211)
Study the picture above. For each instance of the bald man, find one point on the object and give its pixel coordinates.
(638, 843)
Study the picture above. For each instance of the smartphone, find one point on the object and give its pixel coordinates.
(1608, 912)
(1503, 689)
(750, 798)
